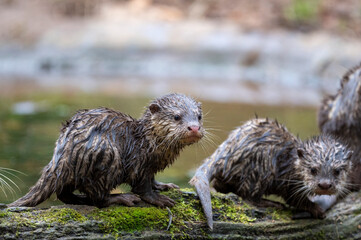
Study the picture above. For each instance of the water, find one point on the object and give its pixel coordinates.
(29, 127)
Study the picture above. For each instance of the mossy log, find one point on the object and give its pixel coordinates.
(234, 219)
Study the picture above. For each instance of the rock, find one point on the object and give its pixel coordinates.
(234, 219)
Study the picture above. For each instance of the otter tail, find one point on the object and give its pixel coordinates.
(201, 182)
(41, 191)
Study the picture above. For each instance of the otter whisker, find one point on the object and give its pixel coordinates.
(208, 138)
(5, 185)
(2, 187)
(290, 180)
(206, 114)
(208, 143)
(201, 143)
(204, 148)
(343, 192)
(9, 172)
(297, 191)
(213, 129)
(301, 195)
(9, 180)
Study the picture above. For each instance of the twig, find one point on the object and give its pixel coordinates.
(170, 215)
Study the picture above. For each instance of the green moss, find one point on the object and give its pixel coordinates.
(120, 220)
(279, 215)
(3, 214)
(62, 216)
(130, 219)
(21, 219)
(226, 209)
(357, 211)
(187, 208)
(320, 235)
(33, 218)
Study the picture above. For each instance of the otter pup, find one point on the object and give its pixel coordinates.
(99, 149)
(261, 158)
(340, 115)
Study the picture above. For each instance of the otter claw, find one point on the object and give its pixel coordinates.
(315, 213)
(164, 186)
(318, 212)
(158, 200)
(125, 199)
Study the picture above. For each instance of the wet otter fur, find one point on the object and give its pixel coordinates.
(99, 149)
(340, 115)
(261, 158)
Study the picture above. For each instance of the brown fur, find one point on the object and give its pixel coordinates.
(99, 149)
(340, 115)
(261, 158)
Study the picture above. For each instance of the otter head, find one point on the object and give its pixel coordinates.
(324, 165)
(176, 119)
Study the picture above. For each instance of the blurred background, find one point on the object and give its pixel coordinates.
(239, 58)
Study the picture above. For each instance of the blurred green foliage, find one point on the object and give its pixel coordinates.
(302, 11)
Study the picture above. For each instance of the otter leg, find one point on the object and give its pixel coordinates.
(313, 208)
(222, 187)
(146, 193)
(268, 203)
(67, 196)
(163, 186)
(127, 199)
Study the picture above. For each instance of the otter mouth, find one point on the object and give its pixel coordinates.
(324, 192)
(191, 139)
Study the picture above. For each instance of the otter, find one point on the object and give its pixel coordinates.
(262, 157)
(340, 115)
(99, 149)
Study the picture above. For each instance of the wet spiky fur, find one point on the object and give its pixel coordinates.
(261, 157)
(340, 115)
(99, 149)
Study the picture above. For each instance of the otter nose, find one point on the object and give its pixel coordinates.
(324, 185)
(194, 128)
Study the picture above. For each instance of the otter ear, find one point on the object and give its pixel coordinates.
(300, 153)
(154, 108)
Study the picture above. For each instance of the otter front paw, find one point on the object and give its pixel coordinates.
(158, 200)
(163, 186)
(316, 212)
(127, 199)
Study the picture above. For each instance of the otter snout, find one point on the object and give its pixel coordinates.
(325, 187)
(193, 134)
(194, 129)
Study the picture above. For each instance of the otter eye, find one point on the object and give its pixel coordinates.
(313, 171)
(177, 117)
(336, 172)
(200, 117)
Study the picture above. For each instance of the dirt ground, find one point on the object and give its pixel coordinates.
(24, 21)
(343, 17)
